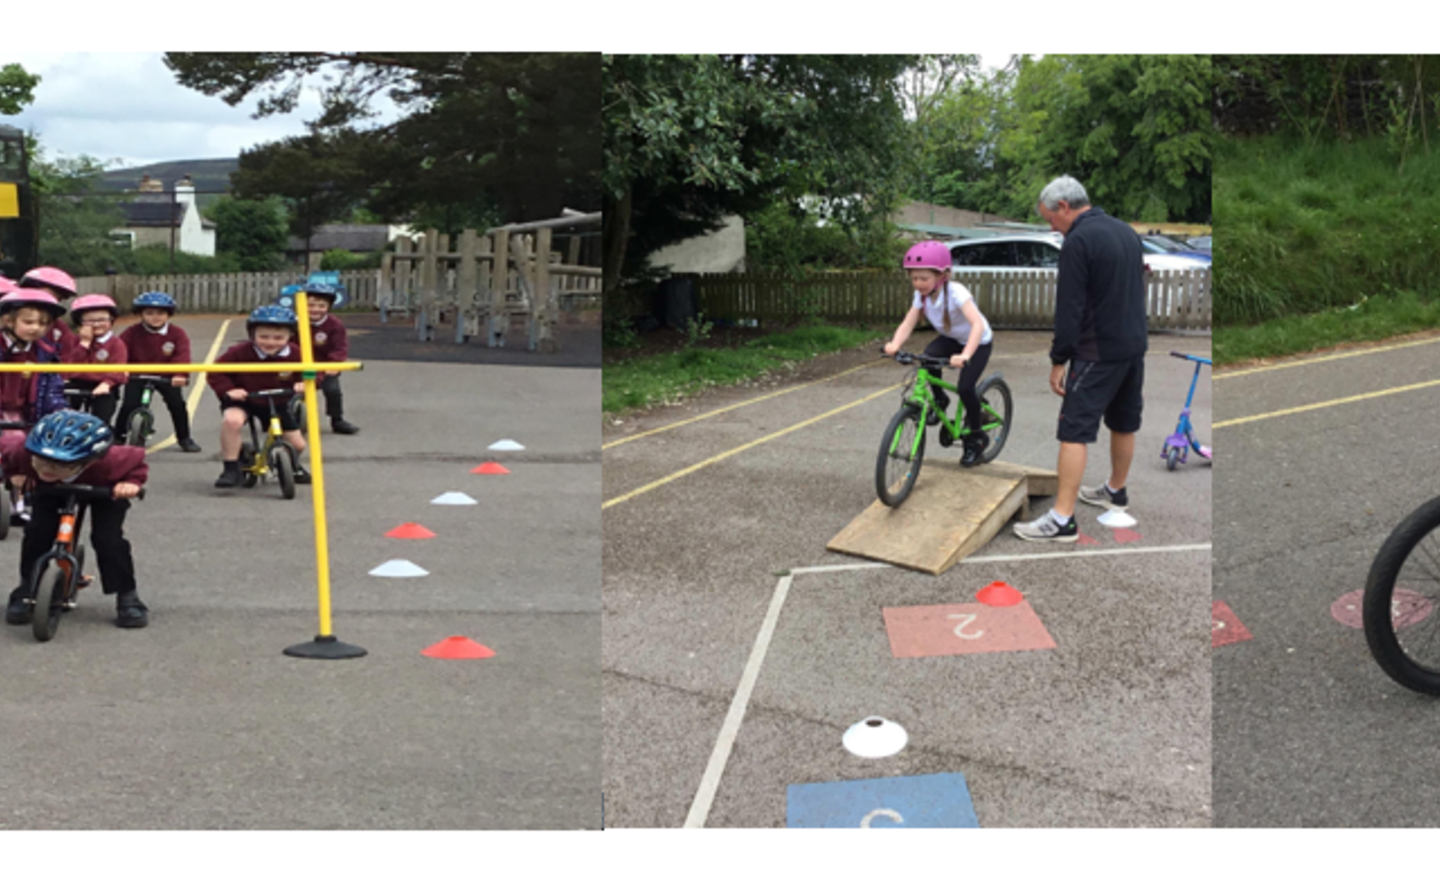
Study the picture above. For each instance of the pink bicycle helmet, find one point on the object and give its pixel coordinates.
(40, 299)
(7, 286)
(52, 279)
(928, 255)
(92, 302)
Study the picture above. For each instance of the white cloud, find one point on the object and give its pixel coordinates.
(127, 106)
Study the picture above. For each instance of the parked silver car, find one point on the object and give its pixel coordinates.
(1034, 250)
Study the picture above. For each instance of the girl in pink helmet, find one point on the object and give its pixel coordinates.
(58, 283)
(965, 336)
(95, 344)
(26, 317)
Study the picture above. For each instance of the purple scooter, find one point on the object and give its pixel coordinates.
(1178, 445)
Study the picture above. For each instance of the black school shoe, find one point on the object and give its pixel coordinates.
(189, 445)
(975, 446)
(340, 426)
(18, 612)
(228, 479)
(302, 476)
(130, 612)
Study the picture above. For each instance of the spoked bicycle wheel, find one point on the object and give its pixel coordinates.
(902, 450)
(995, 407)
(1401, 609)
(47, 584)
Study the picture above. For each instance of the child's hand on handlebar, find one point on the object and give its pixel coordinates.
(890, 348)
(102, 389)
(958, 361)
(180, 380)
(237, 394)
(126, 490)
(299, 387)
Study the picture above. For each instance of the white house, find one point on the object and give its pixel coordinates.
(155, 217)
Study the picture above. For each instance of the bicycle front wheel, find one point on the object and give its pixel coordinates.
(995, 414)
(47, 585)
(282, 461)
(902, 450)
(1401, 609)
(135, 432)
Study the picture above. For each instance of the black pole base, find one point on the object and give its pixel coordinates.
(325, 648)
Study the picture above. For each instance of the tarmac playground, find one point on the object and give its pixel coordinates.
(738, 651)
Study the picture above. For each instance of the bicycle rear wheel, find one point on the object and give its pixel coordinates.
(297, 412)
(247, 461)
(1401, 608)
(136, 429)
(896, 467)
(6, 510)
(48, 584)
(994, 396)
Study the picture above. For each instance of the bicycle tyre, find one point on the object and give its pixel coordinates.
(6, 511)
(297, 412)
(891, 484)
(1378, 609)
(135, 429)
(48, 589)
(248, 478)
(995, 394)
(282, 459)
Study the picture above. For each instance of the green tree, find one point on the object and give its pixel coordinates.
(317, 176)
(17, 89)
(253, 232)
(517, 131)
(689, 139)
(75, 222)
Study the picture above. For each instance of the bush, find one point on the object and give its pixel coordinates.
(340, 260)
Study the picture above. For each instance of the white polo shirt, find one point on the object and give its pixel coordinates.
(934, 307)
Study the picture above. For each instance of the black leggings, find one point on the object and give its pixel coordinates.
(945, 347)
(107, 536)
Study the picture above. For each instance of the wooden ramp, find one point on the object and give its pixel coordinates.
(951, 513)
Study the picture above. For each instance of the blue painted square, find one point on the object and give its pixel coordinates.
(941, 800)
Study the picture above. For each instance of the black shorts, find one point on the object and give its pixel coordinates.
(260, 409)
(1101, 388)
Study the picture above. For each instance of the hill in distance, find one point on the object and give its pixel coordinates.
(208, 174)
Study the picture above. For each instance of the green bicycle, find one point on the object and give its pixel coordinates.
(902, 450)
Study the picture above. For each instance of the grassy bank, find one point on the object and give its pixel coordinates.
(1380, 317)
(652, 379)
(1303, 229)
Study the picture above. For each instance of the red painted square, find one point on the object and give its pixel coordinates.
(1086, 539)
(1225, 627)
(1125, 536)
(934, 630)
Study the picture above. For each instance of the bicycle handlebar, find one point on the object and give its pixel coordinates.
(273, 392)
(908, 358)
(90, 493)
(1190, 357)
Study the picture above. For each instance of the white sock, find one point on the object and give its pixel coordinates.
(1110, 490)
(1061, 521)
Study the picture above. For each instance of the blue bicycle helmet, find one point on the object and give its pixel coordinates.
(333, 292)
(68, 436)
(272, 315)
(153, 299)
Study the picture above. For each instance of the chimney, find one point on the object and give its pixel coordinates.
(150, 186)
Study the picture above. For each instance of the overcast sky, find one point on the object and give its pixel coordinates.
(128, 107)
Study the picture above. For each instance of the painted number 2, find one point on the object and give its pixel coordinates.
(965, 620)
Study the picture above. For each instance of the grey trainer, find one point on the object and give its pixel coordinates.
(1101, 497)
(1046, 529)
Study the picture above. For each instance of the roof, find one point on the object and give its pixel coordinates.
(344, 236)
(153, 213)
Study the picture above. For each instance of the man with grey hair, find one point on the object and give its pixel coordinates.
(1101, 332)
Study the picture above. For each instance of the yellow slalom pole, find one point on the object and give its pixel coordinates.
(325, 645)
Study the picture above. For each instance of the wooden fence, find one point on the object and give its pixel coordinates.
(1009, 299)
(226, 293)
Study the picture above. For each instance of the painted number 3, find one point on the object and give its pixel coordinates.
(965, 620)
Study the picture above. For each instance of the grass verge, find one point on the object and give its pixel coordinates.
(663, 378)
(1379, 317)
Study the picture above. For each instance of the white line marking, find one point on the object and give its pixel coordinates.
(710, 782)
(725, 742)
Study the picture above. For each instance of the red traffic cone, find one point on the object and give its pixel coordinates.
(410, 530)
(458, 648)
(490, 467)
(999, 594)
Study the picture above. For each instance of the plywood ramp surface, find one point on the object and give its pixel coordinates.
(950, 514)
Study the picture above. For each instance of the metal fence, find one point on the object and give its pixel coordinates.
(225, 293)
(1010, 299)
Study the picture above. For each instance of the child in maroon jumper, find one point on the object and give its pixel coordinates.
(157, 340)
(26, 317)
(95, 343)
(77, 447)
(330, 343)
(60, 285)
(272, 334)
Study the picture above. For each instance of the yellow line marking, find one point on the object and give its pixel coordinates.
(1321, 360)
(739, 449)
(194, 402)
(1325, 404)
(734, 406)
